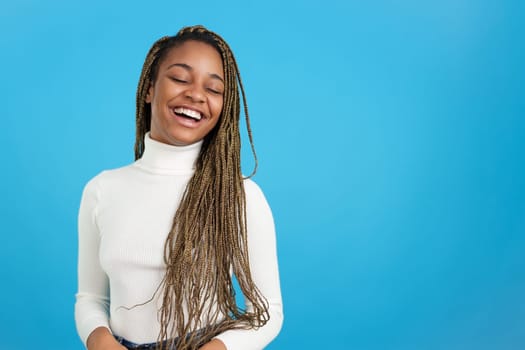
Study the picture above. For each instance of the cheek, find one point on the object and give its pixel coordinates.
(217, 106)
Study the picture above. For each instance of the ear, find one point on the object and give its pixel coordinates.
(149, 95)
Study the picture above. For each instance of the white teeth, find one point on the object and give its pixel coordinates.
(188, 112)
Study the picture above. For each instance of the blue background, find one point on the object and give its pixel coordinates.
(391, 137)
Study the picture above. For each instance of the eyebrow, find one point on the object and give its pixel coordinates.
(190, 68)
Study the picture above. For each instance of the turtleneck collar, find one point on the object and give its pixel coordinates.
(163, 158)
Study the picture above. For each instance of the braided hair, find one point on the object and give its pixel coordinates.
(208, 238)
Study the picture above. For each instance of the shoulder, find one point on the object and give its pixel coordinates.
(108, 178)
(117, 174)
(255, 197)
(259, 216)
(252, 189)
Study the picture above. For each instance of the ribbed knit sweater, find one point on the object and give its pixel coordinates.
(124, 218)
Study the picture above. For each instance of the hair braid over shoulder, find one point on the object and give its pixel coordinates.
(208, 238)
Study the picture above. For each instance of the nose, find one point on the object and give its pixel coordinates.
(195, 93)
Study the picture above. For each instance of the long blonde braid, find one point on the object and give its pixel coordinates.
(208, 238)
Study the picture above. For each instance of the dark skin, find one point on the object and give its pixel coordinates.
(189, 79)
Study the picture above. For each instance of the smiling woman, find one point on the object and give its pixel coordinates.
(161, 240)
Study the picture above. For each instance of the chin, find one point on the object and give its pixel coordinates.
(182, 141)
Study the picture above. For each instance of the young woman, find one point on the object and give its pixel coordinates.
(162, 239)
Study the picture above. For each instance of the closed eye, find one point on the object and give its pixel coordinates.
(216, 92)
(178, 80)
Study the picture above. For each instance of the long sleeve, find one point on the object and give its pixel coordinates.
(265, 273)
(92, 299)
(124, 217)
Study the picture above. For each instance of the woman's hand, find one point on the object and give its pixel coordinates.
(102, 339)
(214, 344)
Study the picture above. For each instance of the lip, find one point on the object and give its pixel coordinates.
(193, 108)
(186, 122)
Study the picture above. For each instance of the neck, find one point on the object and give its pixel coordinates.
(165, 158)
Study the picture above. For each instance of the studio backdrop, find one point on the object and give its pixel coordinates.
(391, 140)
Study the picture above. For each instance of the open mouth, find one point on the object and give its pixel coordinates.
(187, 113)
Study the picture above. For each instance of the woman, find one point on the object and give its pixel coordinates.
(160, 239)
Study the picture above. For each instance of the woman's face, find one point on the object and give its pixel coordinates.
(187, 95)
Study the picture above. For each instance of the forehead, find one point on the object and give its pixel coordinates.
(196, 54)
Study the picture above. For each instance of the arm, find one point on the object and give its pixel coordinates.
(92, 299)
(265, 273)
(214, 344)
(101, 338)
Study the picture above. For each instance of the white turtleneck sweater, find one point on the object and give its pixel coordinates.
(125, 215)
